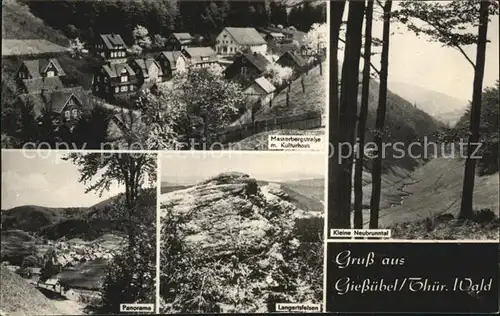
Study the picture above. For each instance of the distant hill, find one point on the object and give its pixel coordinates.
(167, 187)
(307, 195)
(441, 106)
(313, 188)
(32, 217)
(87, 223)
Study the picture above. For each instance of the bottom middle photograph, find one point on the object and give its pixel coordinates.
(241, 231)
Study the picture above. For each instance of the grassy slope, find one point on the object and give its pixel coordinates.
(19, 23)
(18, 297)
(437, 190)
(313, 100)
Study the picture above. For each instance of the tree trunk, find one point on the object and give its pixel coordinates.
(363, 113)
(336, 13)
(348, 108)
(380, 121)
(466, 207)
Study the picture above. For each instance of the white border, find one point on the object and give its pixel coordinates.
(326, 135)
(158, 231)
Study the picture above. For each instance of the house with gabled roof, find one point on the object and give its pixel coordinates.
(260, 90)
(36, 75)
(115, 81)
(111, 47)
(292, 60)
(200, 57)
(65, 106)
(236, 39)
(148, 71)
(275, 37)
(179, 41)
(247, 65)
(171, 62)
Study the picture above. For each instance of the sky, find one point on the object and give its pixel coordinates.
(44, 179)
(427, 64)
(192, 167)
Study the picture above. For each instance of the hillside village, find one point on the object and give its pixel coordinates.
(64, 255)
(118, 72)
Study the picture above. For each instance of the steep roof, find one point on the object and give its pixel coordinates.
(113, 40)
(276, 34)
(196, 54)
(246, 35)
(114, 70)
(51, 281)
(55, 100)
(297, 59)
(172, 57)
(258, 60)
(145, 65)
(183, 37)
(42, 83)
(36, 67)
(265, 84)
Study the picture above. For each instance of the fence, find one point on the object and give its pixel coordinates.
(301, 122)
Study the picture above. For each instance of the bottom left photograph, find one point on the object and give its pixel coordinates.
(78, 232)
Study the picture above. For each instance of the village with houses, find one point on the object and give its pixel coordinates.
(63, 256)
(263, 61)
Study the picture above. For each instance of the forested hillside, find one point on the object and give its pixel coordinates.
(87, 19)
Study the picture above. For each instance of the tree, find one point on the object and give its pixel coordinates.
(164, 114)
(159, 41)
(334, 216)
(76, 47)
(317, 39)
(49, 269)
(91, 129)
(447, 23)
(278, 14)
(100, 171)
(212, 98)
(141, 37)
(466, 207)
(363, 114)
(489, 152)
(130, 275)
(136, 50)
(277, 74)
(380, 120)
(347, 117)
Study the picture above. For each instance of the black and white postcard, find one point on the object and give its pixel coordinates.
(250, 156)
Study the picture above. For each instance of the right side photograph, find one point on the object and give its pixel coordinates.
(413, 120)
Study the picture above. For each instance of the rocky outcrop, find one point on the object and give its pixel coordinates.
(228, 212)
(241, 235)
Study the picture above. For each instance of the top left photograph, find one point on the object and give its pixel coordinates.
(164, 75)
